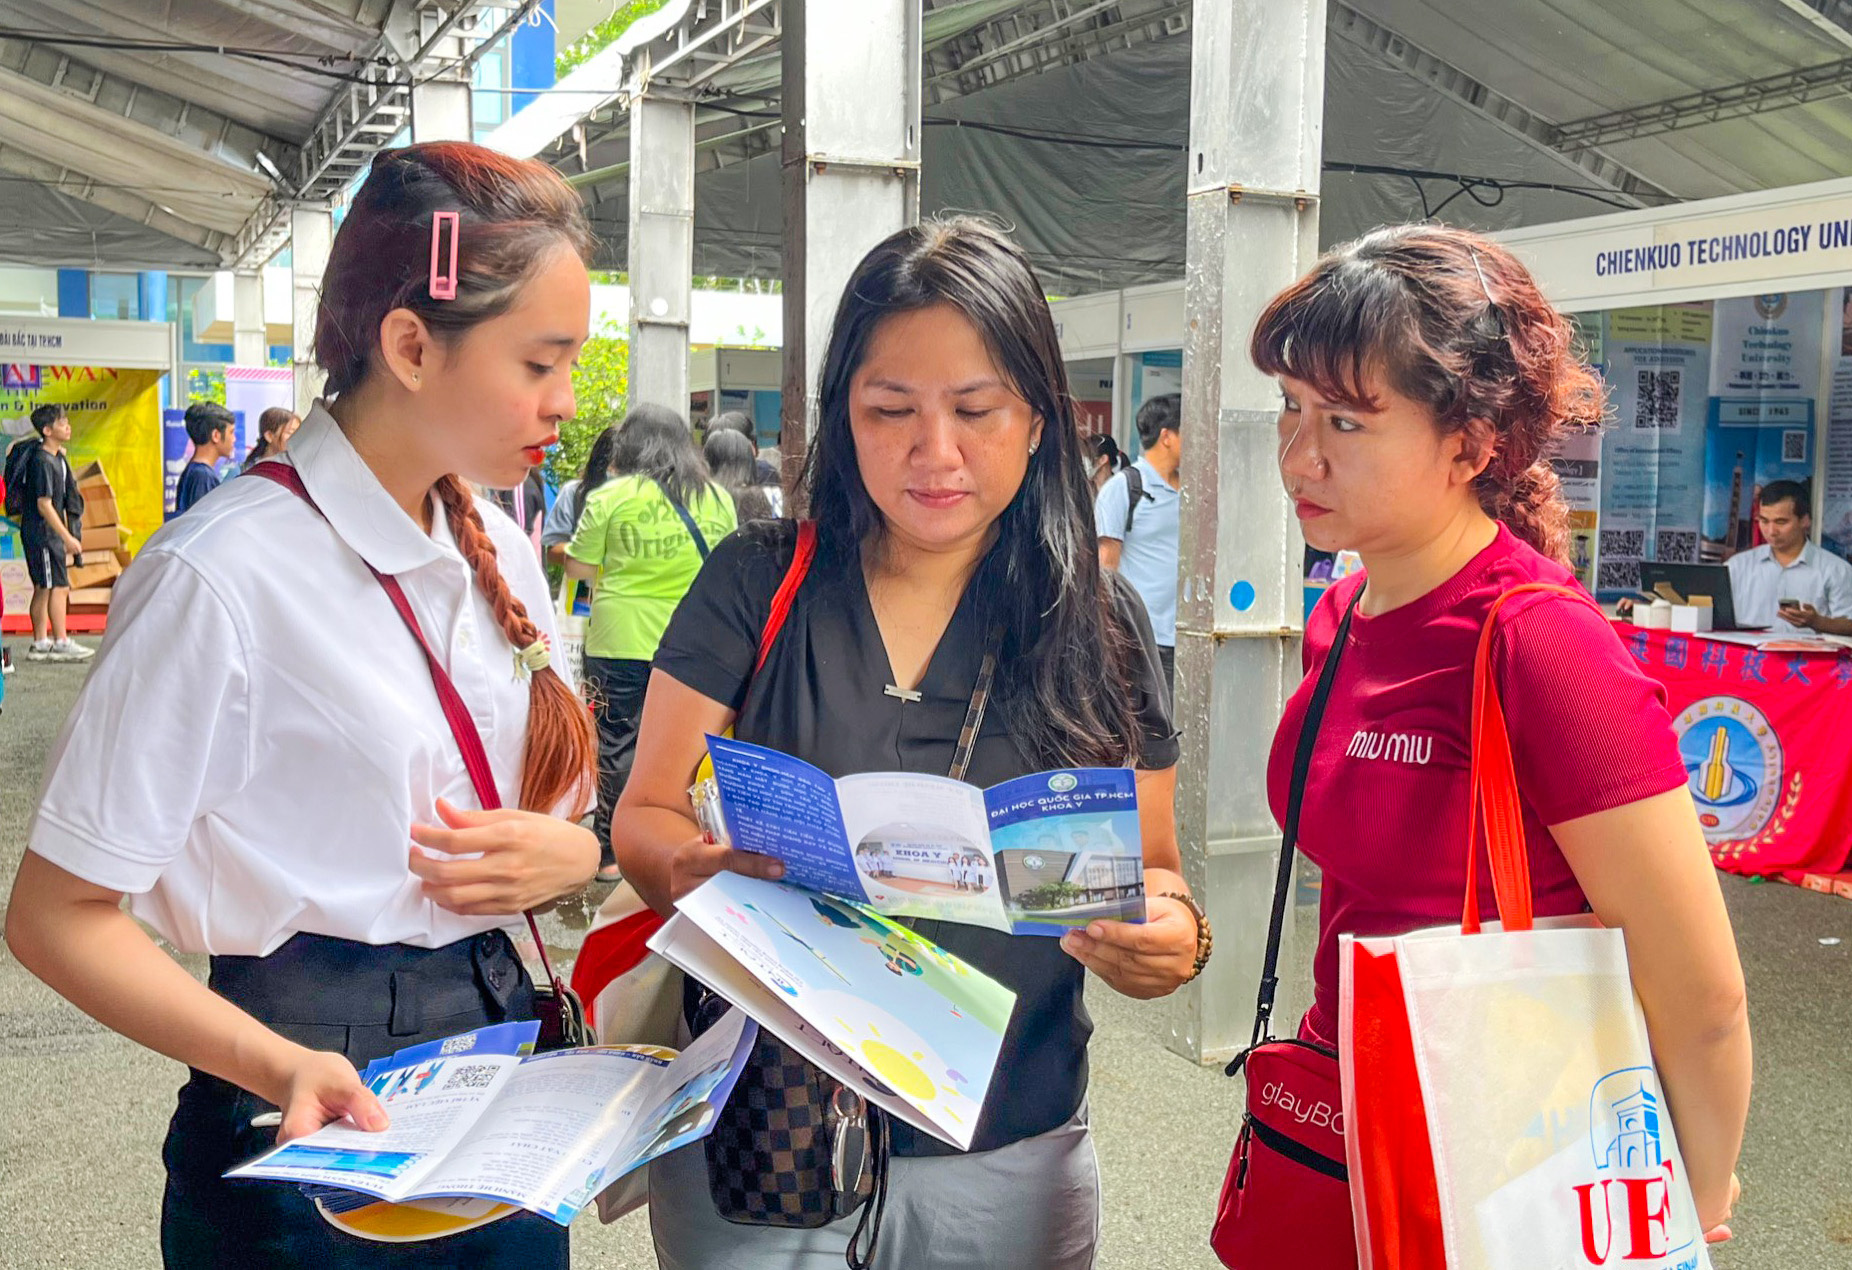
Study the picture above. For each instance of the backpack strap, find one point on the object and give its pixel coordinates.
(688, 521)
(1134, 495)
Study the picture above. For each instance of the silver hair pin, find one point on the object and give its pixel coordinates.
(1490, 302)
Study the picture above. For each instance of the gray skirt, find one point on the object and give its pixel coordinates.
(1032, 1205)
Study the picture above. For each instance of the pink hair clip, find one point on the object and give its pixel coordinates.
(444, 277)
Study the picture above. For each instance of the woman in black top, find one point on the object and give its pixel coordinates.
(950, 503)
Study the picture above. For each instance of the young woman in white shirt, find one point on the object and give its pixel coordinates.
(259, 798)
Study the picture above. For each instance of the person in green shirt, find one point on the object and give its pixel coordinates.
(642, 536)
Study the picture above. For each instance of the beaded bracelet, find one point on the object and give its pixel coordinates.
(1205, 937)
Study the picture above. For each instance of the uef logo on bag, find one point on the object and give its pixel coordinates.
(1733, 766)
(1628, 1211)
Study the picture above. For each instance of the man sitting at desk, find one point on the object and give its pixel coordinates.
(1788, 576)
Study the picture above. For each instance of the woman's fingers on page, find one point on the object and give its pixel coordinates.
(752, 864)
(324, 1088)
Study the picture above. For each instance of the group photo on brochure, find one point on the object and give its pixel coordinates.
(874, 768)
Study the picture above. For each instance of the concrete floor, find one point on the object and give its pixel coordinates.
(82, 1111)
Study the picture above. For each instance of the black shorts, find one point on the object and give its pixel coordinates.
(45, 563)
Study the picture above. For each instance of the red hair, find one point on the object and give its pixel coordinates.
(1452, 320)
(511, 213)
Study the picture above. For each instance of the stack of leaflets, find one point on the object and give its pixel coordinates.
(816, 958)
(481, 1126)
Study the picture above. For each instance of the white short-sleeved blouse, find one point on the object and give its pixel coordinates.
(260, 732)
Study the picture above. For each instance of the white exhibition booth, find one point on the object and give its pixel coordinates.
(1721, 327)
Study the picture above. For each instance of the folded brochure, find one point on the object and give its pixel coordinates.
(1039, 855)
(479, 1121)
(884, 1010)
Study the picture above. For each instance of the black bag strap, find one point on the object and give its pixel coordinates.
(980, 699)
(688, 521)
(1134, 494)
(1289, 835)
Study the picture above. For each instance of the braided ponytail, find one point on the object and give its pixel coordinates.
(561, 754)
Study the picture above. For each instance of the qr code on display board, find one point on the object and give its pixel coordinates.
(1623, 542)
(1793, 446)
(1676, 546)
(1618, 575)
(1656, 402)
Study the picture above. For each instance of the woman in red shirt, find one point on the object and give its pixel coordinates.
(1425, 383)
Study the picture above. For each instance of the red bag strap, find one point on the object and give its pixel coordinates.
(1493, 783)
(456, 713)
(805, 552)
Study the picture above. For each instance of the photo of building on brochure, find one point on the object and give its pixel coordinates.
(1070, 870)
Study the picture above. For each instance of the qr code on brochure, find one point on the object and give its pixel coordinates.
(1656, 403)
(1618, 575)
(1623, 542)
(471, 1076)
(1677, 546)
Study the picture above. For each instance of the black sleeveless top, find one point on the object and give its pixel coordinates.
(820, 697)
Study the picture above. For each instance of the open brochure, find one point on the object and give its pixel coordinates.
(882, 1009)
(1039, 855)
(480, 1121)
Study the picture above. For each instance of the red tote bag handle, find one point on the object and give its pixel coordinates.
(1494, 788)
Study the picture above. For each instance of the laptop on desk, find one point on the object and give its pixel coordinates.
(1711, 580)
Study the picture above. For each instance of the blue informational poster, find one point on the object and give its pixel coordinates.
(1765, 380)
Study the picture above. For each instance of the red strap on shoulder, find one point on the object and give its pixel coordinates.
(1493, 783)
(801, 557)
(456, 712)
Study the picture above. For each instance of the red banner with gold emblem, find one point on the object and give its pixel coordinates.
(1766, 735)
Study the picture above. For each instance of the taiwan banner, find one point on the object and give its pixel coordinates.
(115, 420)
(1766, 750)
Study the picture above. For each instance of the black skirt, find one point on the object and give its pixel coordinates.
(364, 1002)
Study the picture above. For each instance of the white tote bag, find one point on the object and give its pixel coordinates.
(1502, 1108)
(571, 631)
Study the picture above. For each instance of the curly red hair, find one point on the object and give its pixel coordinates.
(1454, 321)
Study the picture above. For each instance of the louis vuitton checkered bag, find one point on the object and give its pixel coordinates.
(794, 1146)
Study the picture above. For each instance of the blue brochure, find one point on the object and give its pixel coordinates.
(481, 1126)
(1038, 855)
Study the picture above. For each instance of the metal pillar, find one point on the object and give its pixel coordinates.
(249, 344)
(441, 111)
(1256, 101)
(311, 235)
(661, 246)
(851, 171)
